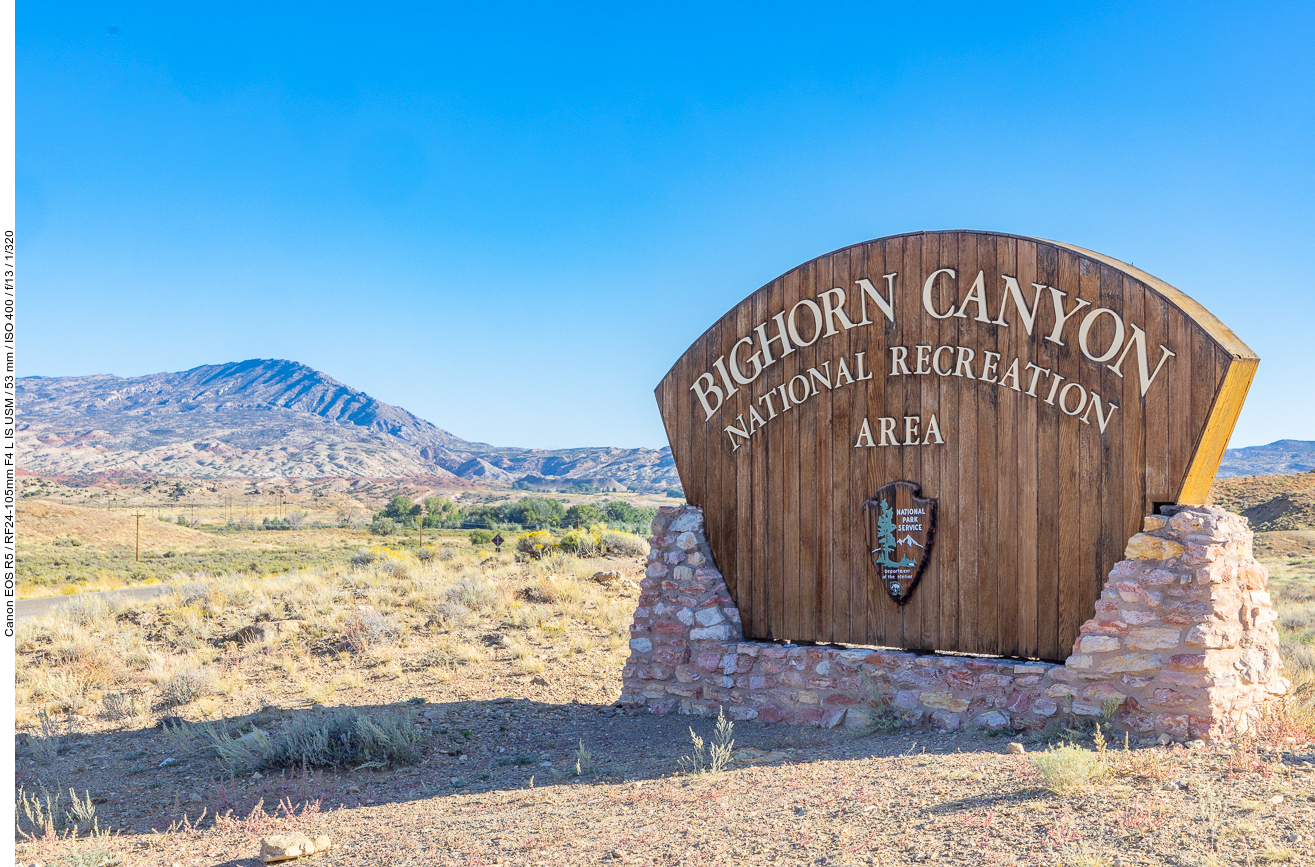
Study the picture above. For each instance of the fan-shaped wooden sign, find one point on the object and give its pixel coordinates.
(1045, 397)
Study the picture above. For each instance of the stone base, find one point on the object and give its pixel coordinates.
(1182, 643)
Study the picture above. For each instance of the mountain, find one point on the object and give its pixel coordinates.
(1277, 458)
(268, 418)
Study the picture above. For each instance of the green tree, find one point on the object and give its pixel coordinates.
(401, 508)
(441, 512)
(583, 515)
(537, 512)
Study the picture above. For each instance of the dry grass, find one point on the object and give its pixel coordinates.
(357, 626)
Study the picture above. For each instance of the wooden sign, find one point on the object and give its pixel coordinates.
(899, 535)
(1045, 396)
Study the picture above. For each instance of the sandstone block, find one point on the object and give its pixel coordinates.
(1146, 547)
(1129, 662)
(944, 700)
(1153, 638)
(1098, 644)
(641, 645)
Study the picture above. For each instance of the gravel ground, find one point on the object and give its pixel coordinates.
(497, 785)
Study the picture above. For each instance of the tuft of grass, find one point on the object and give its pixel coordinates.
(186, 686)
(713, 758)
(339, 739)
(365, 629)
(1067, 768)
(116, 706)
(584, 762)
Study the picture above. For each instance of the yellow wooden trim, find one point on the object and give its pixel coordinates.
(1218, 429)
(1221, 333)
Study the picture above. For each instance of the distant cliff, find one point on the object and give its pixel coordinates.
(262, 418)
(1277, 458)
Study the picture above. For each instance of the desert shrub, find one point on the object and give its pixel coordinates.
(1067, 768)
(445, 615)
(394, 569)
(583, 543)
(118, 705)
(345, 739)
(361, 559)
(535, 544)
(382, 526)
(366, 628)
(625, 544)
(186, 686)
(426, 554)
(481, 537)
(473, 592)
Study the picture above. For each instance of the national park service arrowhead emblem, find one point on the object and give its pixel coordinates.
(899, 536)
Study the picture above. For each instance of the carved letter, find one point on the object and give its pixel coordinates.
(817, 323)
(977, 293)
(1102, 418)
(864, 433)
(702, 393)
(833, 310)
(1025, 313)
(885, 305)
(756, 360)
(897, 365)
(786, 348)
(1060, 316)
(926, 294)
(1084, 333)
(1139, 340)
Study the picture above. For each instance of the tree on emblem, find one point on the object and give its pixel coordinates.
(886, 540)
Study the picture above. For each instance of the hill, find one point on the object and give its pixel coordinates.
(1271, 502)
(1283, 456)
(272, 418)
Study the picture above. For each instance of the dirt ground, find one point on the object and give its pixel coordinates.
(498, 785)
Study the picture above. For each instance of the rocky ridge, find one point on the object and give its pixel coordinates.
(273, 418)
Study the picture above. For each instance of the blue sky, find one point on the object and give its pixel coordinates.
(511, 220)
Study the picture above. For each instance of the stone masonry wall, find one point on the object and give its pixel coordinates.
(1182, 644)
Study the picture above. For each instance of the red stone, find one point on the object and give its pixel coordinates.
(841, 698)
(769, 713)
(802, 716)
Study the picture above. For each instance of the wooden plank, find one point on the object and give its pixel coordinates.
(790, 514)
(1155, 413)
(806, 415)
(1180, 398)
(1011, 342)
(1070, 504)
(882, 621)
(1134, 431)
(868, 263)
(1028, 457)
(988, 470)
(838, 542)
(762, 503)
(778, 518)
(1049, 491)
(744, 487)
(947, 552)
(969, 550)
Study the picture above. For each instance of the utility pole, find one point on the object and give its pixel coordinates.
(138, 516)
